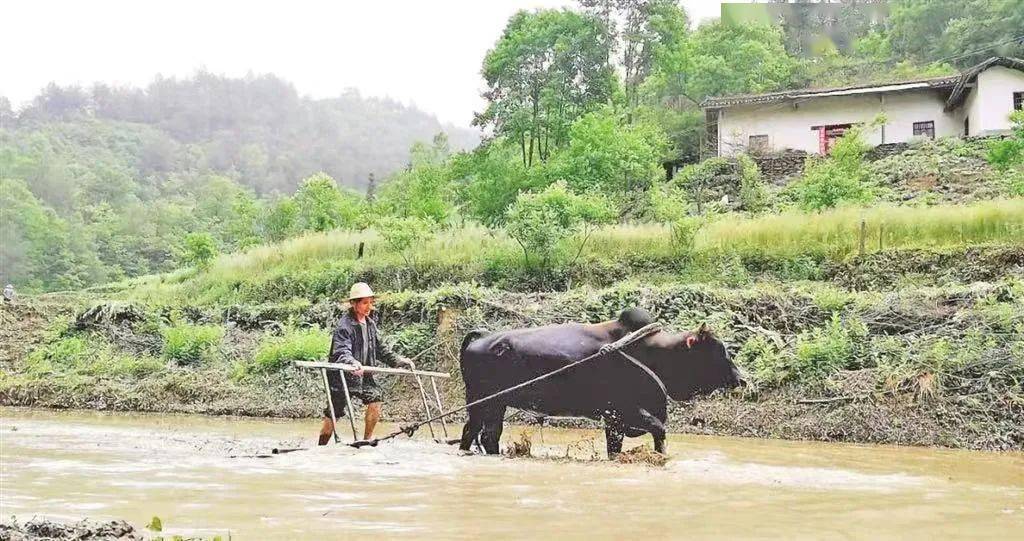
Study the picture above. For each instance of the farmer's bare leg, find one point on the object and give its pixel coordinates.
(326, 430)
(372, 416)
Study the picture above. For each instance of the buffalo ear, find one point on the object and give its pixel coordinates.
(703, 331)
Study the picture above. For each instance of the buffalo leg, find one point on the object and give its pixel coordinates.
(614, 431)
(494, 422)
(656, 427)
(473, 426)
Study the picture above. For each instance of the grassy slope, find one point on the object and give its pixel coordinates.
(322, 265)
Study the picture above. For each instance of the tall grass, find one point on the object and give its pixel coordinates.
(838, 232)
(315, 264)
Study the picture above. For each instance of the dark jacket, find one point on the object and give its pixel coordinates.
(347, 345)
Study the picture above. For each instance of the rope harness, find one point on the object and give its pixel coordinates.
(616, 346)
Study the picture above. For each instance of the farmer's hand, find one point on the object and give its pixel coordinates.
(358, 368)
(406, 362)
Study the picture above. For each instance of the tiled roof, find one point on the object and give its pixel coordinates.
(958, 84)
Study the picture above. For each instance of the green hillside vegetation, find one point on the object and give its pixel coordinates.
(322, 265)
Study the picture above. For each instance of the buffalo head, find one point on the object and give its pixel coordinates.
(690, 363)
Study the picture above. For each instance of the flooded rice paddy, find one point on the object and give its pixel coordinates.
(202, 476)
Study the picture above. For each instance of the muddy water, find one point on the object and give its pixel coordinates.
(194, 474)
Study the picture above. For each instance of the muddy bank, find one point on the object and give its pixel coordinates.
(46, 530)
(929, 366)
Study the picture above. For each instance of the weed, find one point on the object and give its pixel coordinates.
(190, 344)
(274, 353)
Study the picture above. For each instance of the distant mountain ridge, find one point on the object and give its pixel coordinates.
(256, 129)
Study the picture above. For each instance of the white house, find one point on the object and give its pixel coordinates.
(976, 102)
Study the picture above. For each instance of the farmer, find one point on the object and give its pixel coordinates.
(355, 342)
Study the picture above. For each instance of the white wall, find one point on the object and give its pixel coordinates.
(788, 126)
(993, 100)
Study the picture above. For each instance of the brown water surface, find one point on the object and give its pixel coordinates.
(194, 474)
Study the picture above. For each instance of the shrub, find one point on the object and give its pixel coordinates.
(62, 355)
(697, 179)
(539, 222)
(764, 361)
(190, 344)
(1007, 153)
(88, 354)
(666, 202)
(684, 231)
(401, 234)
(275, 353)
(837, 179)
(827, 349)
(199, 249)
(321, 206)
(753, 192)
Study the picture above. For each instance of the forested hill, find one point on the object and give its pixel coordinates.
(256, 129)
(101, 183)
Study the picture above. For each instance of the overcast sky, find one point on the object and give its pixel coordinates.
(422, 52)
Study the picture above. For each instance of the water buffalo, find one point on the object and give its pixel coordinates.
(631, 397)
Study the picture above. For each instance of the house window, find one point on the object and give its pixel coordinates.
(967, 126)
(1018, 101)
(757, 143)
(925, 129)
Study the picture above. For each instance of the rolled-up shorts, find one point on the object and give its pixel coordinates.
(365, 389)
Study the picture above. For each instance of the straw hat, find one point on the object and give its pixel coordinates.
(359, 290)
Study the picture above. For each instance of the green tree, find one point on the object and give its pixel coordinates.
(965, 32)
(322, 206)
(280, 219)
(753, 191)
(242, 228)
(401, 234)
(424, 192)
(40, 250)
(644, 29)
(198, 249)
(610, 157)
(540, 221)
(720, 59)
(716, 59)
(490, 178)
(548, 68)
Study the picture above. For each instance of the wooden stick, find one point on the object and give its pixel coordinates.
(828, 400)
(372, 369)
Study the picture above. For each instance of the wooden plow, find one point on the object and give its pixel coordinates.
(323, 367)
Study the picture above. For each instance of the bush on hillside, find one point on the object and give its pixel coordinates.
(199, 250)
(322, 206)
(277, 352)
(402, 234)
(840, 178)
(539, 222)
(1007, 155)
(753, 191)
(825, 350)
(88, 354)
(189, 345)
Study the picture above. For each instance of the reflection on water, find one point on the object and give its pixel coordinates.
(132, 467)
